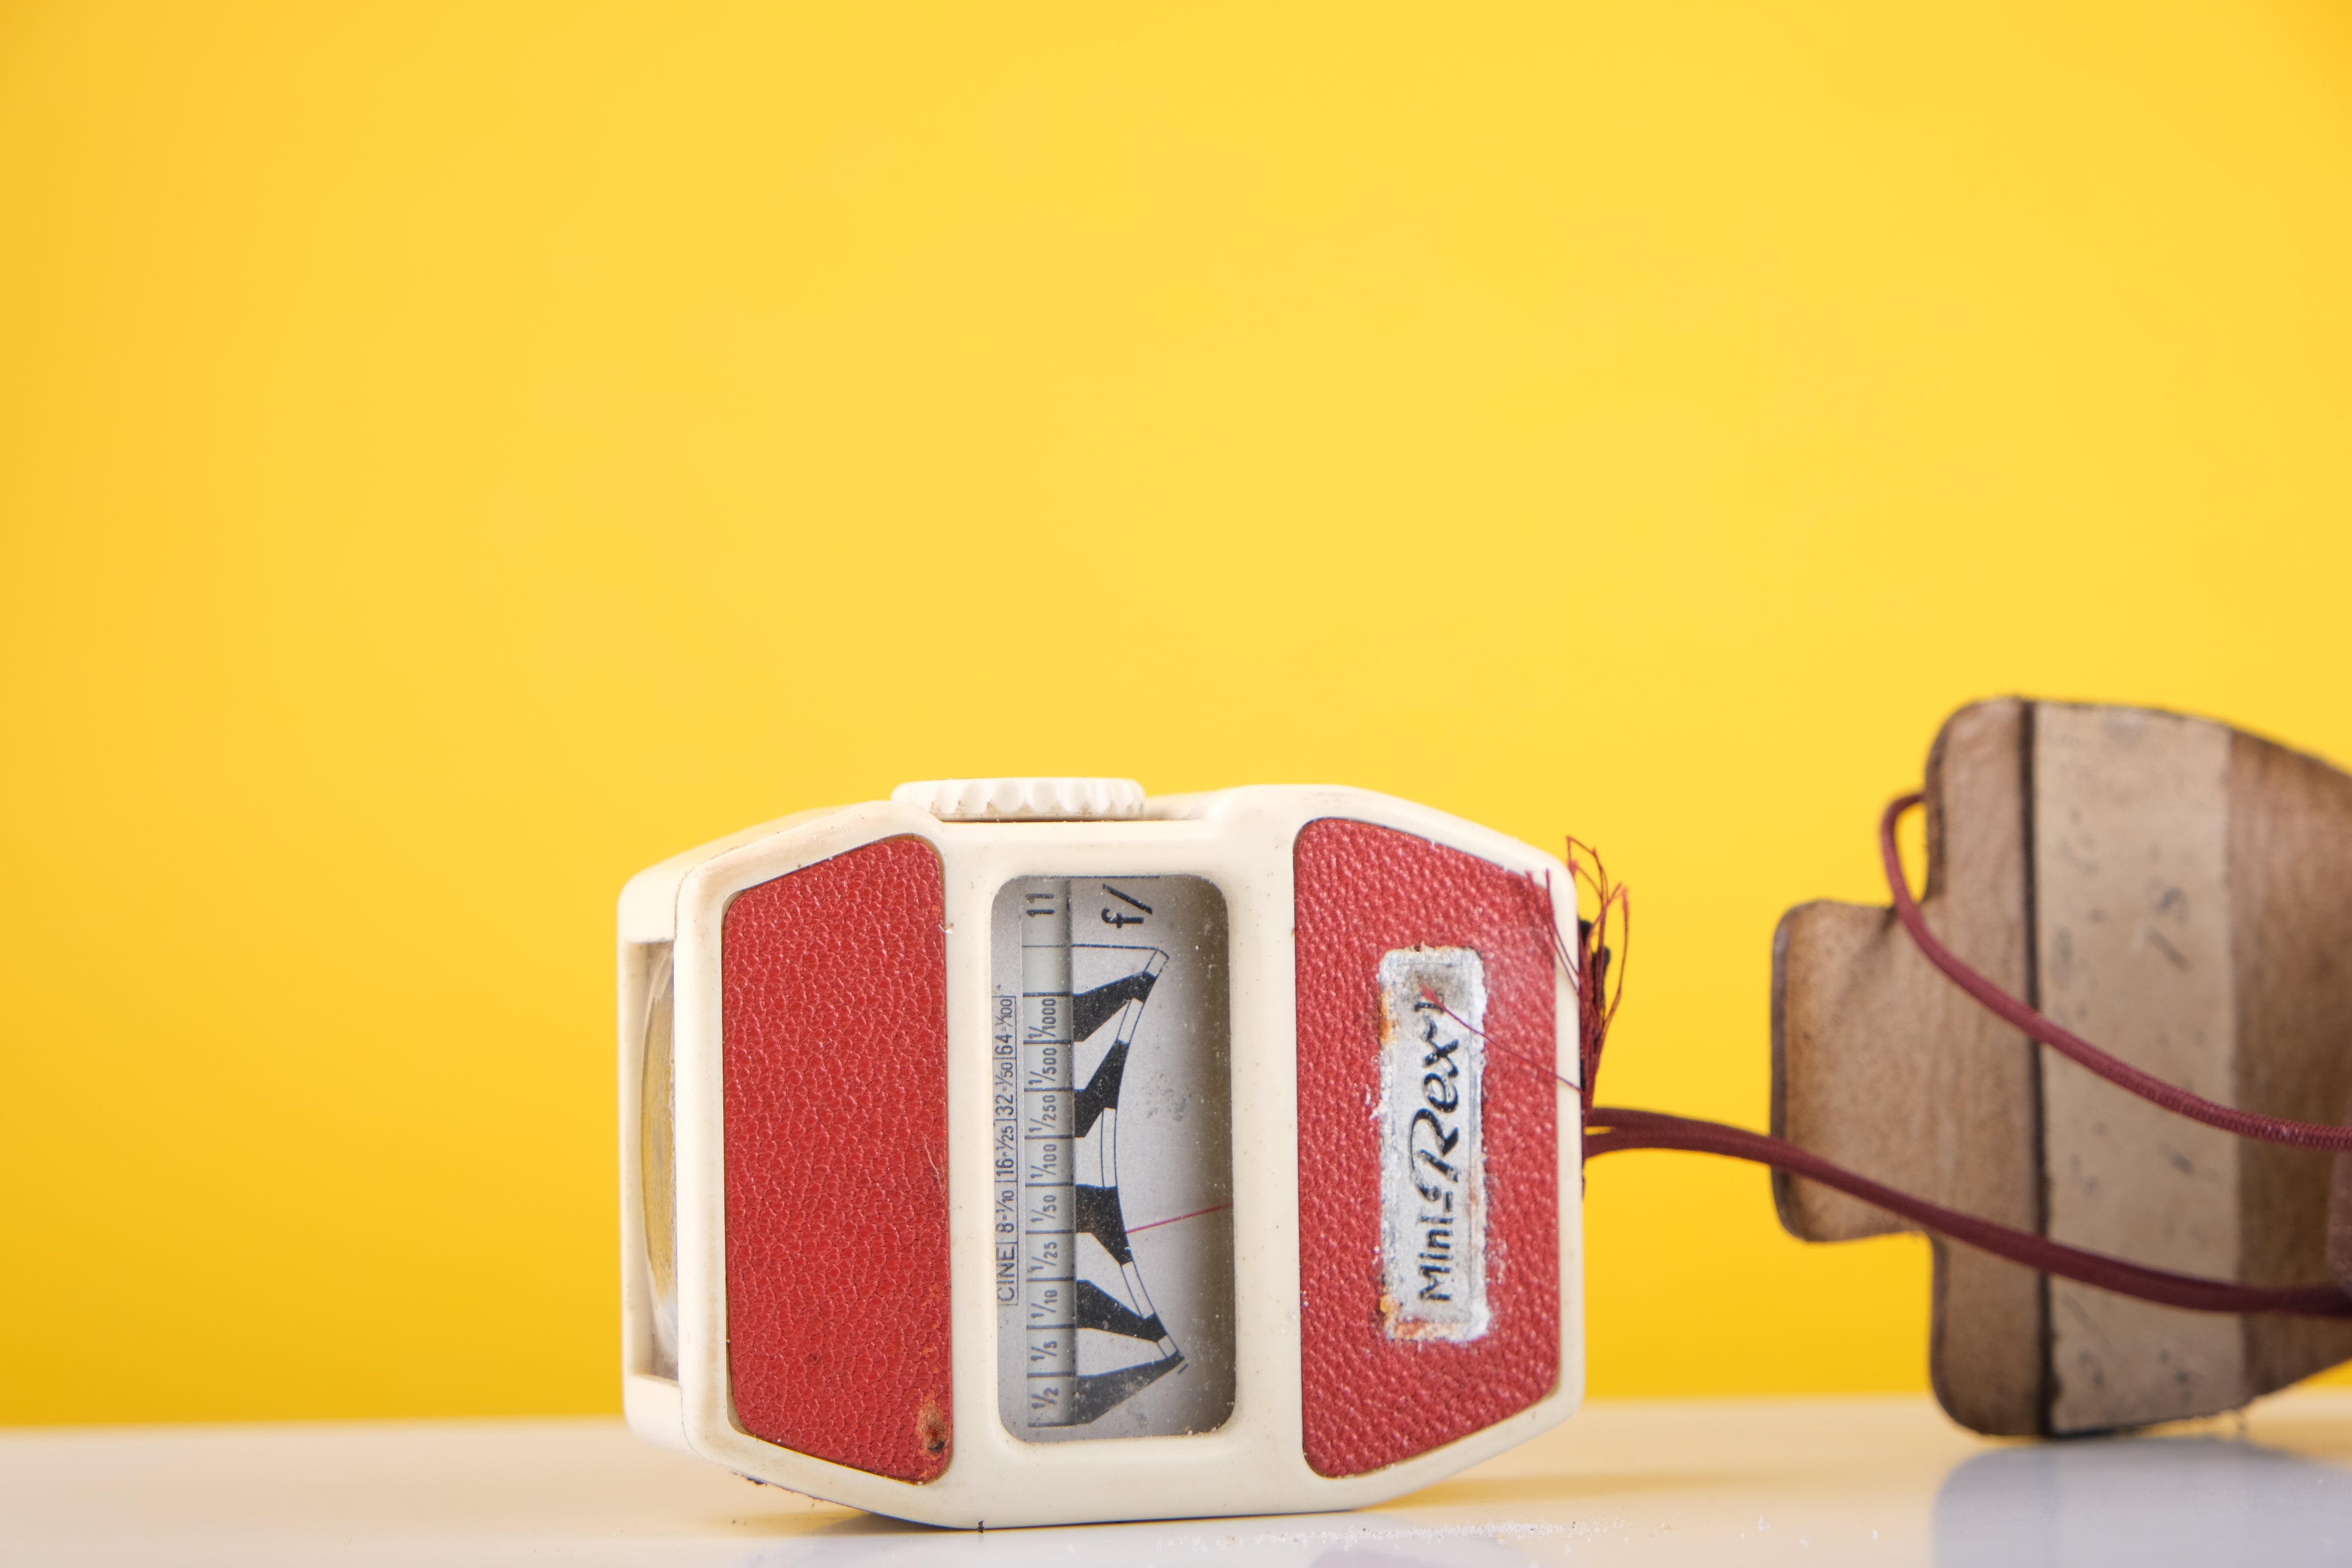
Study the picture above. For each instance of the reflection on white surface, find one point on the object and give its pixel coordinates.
(1321, 1541)
(1813, 1481)
(2152, 1500)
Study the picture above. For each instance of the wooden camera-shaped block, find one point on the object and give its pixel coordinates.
(2180, 893)
(1022, 1152)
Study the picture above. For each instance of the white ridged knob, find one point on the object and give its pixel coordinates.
(1025, 800)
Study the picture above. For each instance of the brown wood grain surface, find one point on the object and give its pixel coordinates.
(2181, 893)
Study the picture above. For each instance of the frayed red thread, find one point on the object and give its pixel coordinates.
(1596, 1001)
(1590, 962)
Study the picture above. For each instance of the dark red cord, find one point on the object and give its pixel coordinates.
(2072, 1047)
(1610, 1131)
(1628, 1129)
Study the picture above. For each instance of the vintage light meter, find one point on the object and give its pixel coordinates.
(1027, 1150)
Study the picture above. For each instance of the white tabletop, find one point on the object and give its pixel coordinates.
(1824, 1480)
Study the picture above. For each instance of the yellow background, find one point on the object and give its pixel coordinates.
(451, 456)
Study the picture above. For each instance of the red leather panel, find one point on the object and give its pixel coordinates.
(1371, 1401)
(835, 1031)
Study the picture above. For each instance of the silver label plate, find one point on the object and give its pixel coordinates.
(1432, 1156)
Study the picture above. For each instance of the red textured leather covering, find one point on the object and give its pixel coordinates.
(1362, 891)
(836, 1030)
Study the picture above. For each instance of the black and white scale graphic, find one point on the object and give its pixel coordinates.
(1113, 1157)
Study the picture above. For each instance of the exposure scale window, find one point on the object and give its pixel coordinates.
(1113, 1158)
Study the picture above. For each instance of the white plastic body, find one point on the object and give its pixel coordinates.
(1240, 839)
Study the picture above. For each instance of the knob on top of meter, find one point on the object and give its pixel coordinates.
(1025, 800)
